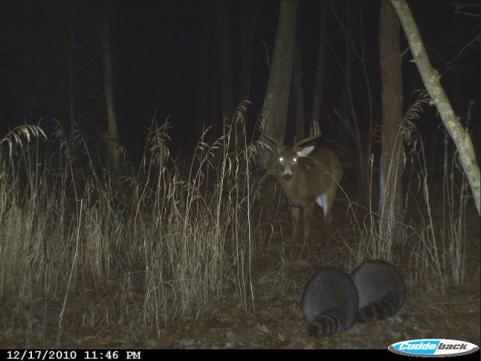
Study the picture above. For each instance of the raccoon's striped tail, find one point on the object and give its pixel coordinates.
(327, 323)
(381, 309)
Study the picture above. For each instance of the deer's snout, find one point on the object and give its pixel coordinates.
(286, 173)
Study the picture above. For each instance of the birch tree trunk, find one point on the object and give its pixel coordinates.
(430, 78)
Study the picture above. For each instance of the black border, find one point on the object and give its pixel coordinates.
(229, 354)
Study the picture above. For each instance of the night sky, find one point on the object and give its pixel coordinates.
(156, 47)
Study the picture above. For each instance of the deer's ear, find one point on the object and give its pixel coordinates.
(304, 152)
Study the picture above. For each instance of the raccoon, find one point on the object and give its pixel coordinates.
(329, 302)
(380, 289)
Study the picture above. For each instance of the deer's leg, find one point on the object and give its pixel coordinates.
(295, 211)
(325, 201)
(327, 224)
(329, 198)
(307, 213)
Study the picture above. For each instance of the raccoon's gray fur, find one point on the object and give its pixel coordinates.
(380, 289)
(329, 301)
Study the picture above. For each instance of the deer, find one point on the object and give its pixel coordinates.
(308, 175)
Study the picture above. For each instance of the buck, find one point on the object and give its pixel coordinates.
(308, 175)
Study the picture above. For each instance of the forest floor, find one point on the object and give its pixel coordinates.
(274, 321)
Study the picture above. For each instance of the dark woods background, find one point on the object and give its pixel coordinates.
(193, 61)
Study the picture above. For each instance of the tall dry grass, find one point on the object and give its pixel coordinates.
(431, 247)
(160, 244)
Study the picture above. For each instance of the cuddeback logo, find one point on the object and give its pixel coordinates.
(433, 348)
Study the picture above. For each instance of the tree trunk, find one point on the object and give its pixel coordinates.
(321, 64)
(300, 118)
(71, 123)
(274, 108)
(112, 128)
(392, 112)
(430, 78)
(214, 96)
(203, 90)
(348, 111)
(226, 85)
(250, 11)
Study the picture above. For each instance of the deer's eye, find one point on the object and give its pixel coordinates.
(294, 159)
(281, 159)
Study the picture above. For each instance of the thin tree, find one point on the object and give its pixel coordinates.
(71, 123)
(321, 65)
(112, 127)
(392, 112)
(203, 83)
(430, 78)
(224, 35)
(249, 13)
(352, 128)
(298, 84)
(274, 108)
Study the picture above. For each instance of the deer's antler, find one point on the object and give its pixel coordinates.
(272, 139)
(306, 140)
